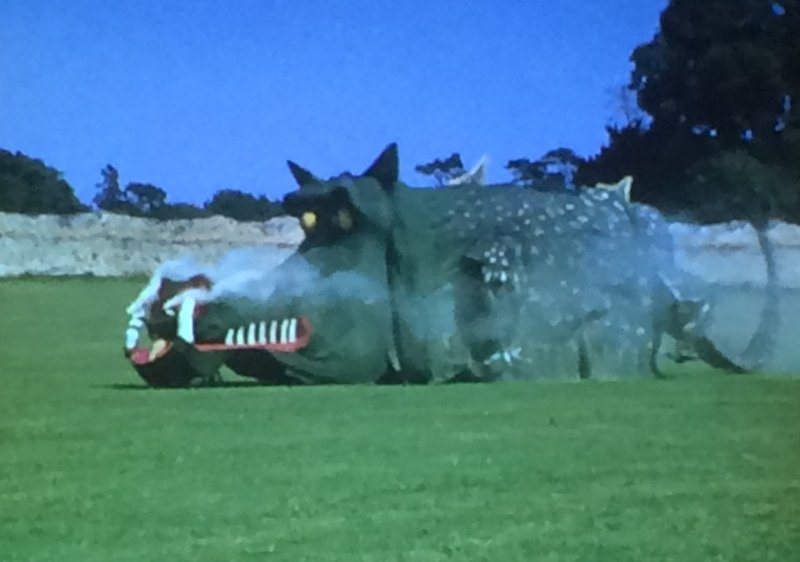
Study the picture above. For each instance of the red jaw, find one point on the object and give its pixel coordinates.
(278, 335)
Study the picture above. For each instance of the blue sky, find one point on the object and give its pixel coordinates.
(195, 96)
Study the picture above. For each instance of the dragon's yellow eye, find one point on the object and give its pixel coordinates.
(344, 219)
(308, 220)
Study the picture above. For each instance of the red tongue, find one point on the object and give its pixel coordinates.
(144, 355)
(140, 355)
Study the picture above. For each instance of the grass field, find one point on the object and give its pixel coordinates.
(94, 467)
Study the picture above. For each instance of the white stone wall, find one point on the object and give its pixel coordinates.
(114, 245)
(729, 253)
(111, 245)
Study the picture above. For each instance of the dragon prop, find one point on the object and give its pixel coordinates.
(458, 283)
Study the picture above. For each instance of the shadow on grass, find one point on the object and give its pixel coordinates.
(218, 385)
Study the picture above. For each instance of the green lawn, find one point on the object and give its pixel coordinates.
(93, 467)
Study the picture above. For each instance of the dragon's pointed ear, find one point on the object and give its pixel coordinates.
(626, 184)
(622, 187)
(301, 175)
(476, 175)
(385, 167)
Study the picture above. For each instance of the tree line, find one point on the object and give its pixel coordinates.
(711, 131)
(29, 186)
(147, 200)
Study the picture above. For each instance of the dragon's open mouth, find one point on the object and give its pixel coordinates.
(183, 337)
(286, 335)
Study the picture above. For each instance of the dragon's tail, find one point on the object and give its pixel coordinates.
(762, 343)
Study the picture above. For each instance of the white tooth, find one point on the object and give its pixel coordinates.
(148, 295)
(395, 361)
(131, 338)
(229, 337)
(156, 348)
(293, 330)
(240, 336)
(251, 334)
(284, 330)
(273, 331)
(262, 332)
(186, 320)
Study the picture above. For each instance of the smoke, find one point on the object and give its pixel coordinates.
(258, 273)
(238, 270)
(293, 278)
(256, 260)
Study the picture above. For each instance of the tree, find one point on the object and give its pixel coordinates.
(554, 171)
(139, 199)
(736, 185)
(719, 82)
(443, 171)
(109, 196)
(724, 67)
(13, 190)
(625, 108)
(658, 158)
(562, 163)
(525, 171)
(178, 211)
(242, 206)
(147, 200)
(28, 185)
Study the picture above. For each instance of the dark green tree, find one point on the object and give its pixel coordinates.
(725, 67)
(753, 189)
(659, 158)
(561, 163)
(28, 185)
(554, 171)
(110, 196)
(720, 81)
(177, 211)
(442, 170)
(525, 171)
(147, 200)
(242, 206)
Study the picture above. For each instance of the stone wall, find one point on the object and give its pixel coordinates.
(729, 254)
(114, 245)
